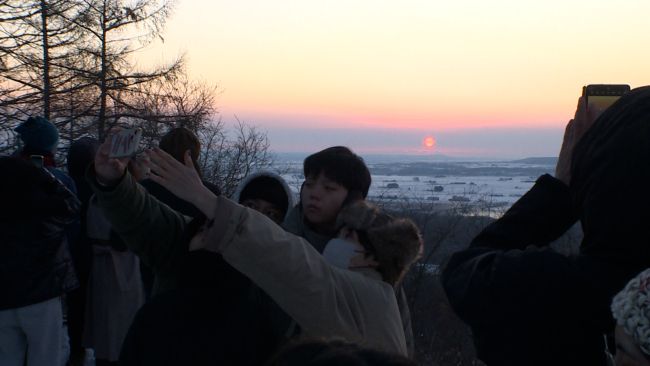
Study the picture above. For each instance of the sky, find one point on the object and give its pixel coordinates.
(495, 78)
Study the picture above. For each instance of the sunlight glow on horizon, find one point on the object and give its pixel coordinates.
(410, 65)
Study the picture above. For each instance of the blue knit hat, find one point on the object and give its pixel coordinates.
(38, 134)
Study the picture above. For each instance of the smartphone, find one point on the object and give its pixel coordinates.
(125, 143)
(37, 160)
(602, 96)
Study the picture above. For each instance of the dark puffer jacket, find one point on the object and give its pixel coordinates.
(35, 263)
(529, 305)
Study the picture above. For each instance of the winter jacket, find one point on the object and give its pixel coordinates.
(213, 318)
(533, 306)
(525, 303)
(219, 317)
(35, 263)
(295, 224)
(114, 289)
(324, 300)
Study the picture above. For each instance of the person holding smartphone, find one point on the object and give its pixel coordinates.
(529, 305)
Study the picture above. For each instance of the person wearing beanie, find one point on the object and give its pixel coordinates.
(39, 136)
(267, 193)
(35, 268)
(527, 304)
(356, 303)
(631, 310)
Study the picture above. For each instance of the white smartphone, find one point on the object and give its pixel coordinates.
(125, 143)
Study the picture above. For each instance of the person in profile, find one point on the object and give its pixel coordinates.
(334, 177)
(35, 266)
(529, 305)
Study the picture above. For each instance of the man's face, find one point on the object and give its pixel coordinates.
(627, 352)
(322, 199)
(265, 207)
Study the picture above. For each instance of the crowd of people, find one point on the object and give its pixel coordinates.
(146, 263)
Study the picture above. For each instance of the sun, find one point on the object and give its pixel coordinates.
(429, 142)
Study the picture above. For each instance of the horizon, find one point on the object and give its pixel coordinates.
(498, 78)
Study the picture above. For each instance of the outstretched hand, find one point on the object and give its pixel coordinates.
(181, 179)
(108, 171)
(574, 131)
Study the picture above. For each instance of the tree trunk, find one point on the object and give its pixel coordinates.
(46, 61)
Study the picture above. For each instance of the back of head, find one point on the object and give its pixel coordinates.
(610, 171)
(631, 309)
(341, 165)
(395, 242)
(177, 141)
(39, 136)
(335, 353)
(80, 155)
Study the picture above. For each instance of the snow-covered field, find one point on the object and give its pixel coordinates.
(498, 183)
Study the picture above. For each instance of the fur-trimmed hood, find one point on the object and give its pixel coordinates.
(396, 242)
(267, 174)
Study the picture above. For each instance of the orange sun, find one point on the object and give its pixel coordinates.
(429, 142)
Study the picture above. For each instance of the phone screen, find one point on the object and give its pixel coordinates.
(125, 143)
(601, 102)
(602, 96)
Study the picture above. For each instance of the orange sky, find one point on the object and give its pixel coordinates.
(428, 66)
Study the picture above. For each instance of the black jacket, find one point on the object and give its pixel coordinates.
(35, 263)
(215, 317)
(525, 303)
(534, 306)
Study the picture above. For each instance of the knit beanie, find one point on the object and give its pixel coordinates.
(395, 242)
(631, 309)
(38, 134)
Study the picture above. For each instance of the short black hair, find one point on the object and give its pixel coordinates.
(341, 165)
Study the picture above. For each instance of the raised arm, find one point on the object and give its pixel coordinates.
(149, 228)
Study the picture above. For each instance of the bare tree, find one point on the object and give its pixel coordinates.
(116, 29)
(35, 50)
(228, 158)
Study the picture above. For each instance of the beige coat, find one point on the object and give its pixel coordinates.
(327, 302)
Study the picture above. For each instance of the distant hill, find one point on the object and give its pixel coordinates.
(537, 161)
(378, 159)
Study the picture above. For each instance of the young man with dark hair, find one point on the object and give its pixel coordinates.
(335, 177)
(331, 176)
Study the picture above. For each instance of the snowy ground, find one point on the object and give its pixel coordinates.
(498, 184)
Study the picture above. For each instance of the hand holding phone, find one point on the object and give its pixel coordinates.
(125, 143)
(109, 166)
